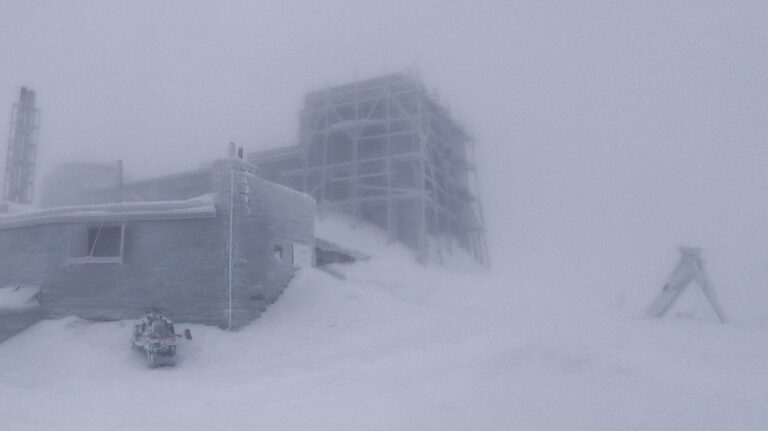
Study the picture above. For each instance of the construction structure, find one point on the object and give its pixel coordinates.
(386, 151)
(22, 149)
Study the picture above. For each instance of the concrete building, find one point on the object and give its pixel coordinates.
(213, 246)
(218, 244)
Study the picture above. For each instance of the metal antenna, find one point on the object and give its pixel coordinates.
(22, 149)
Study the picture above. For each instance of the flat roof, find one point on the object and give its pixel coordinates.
(200, 207)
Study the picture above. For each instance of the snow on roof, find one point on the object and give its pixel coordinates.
(199, 207)
(18, 297)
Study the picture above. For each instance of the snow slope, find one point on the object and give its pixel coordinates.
(399, 346)
(18, 297)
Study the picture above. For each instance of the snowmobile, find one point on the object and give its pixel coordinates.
(154, 335)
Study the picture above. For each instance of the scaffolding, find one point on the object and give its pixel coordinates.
(22, 149)
(386, 151)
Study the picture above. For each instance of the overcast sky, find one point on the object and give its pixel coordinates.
(608, 133)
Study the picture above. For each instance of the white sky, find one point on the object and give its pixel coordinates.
(608, 132)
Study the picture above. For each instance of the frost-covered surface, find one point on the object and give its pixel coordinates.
(7, 207)
(202, 206)
(344, 231)
(401, 347)
(18, 297)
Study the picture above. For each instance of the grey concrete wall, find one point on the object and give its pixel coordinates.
(27, 253)
(178, 265)
(175, 265)
(273, 216)
(13, 322)
(265, 215)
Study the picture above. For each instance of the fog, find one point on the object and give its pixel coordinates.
(608, 133)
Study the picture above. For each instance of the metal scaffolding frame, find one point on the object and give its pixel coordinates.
(21, 157)
(386, 151)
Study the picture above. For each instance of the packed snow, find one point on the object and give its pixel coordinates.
(19, 297)
(401, 346)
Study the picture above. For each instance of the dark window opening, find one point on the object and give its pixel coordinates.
(278, 252)
(105, 241)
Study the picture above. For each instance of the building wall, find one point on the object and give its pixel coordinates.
(266, 215)
(181, 265)
(13, 322)
(177, 265)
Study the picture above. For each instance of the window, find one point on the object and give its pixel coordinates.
(105, 241)
(98, 244)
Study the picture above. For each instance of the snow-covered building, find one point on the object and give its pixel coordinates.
(214, 246)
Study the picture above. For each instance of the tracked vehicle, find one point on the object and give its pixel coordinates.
(154, 335)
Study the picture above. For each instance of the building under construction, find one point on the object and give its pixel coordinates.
(386, 151)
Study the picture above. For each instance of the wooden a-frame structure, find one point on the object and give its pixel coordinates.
(690, 269)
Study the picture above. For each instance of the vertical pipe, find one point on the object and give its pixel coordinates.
(231, 235)
(423, 243)
(391, 216)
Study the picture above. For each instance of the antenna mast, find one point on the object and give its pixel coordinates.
(21, 158)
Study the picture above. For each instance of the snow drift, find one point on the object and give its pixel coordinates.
(400, 346)
(18, 297)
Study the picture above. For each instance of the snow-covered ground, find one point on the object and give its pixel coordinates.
(18, 297)
(399, 346)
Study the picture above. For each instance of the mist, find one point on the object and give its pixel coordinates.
(607, 133)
